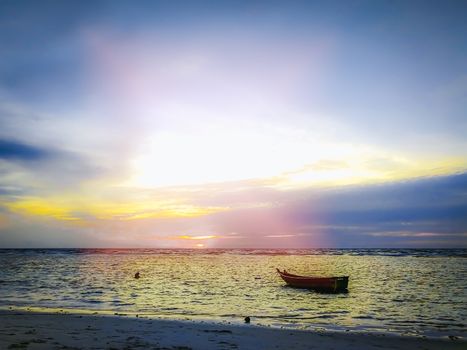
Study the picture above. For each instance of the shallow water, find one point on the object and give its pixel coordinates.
(418, 292)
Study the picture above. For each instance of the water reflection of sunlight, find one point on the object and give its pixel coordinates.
(385, 292)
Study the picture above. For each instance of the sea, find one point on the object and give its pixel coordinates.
(415, 292)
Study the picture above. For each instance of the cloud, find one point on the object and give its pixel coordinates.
(417, 234)
(42, 169)
(16, 151)
(367, 215)
(279, 236)
(413, 213)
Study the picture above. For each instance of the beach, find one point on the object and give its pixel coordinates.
(42, 330)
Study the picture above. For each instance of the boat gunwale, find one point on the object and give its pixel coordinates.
(292, 276)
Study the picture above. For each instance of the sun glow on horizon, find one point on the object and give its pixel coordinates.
(81, 208)
(284, 158)
(196, 237)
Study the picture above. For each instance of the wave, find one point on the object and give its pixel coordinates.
(389, 252)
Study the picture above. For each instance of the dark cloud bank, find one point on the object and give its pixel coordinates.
(17, 151)
(425, 212)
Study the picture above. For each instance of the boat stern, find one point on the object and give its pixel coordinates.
(341, 283)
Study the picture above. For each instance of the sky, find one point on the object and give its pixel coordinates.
(233, 124)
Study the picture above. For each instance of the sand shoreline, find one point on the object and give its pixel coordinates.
(41, 330)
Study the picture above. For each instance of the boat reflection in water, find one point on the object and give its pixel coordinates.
(320, 284)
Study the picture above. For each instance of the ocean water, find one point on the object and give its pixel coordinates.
(415, 292)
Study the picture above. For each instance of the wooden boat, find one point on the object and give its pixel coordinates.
(323, 284)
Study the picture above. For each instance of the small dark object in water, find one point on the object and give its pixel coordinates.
(137, 275)
(247, 319)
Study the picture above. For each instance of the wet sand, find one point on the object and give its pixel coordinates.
(34, 330)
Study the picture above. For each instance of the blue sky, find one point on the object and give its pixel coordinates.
(233, 124)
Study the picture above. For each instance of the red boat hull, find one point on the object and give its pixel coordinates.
(325, 284)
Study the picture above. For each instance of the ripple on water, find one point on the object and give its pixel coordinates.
(394, 290)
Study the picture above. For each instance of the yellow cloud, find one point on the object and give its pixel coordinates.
(81, 209)
(368, 170)
(196, 237)
(184, 211)
(40, 207)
